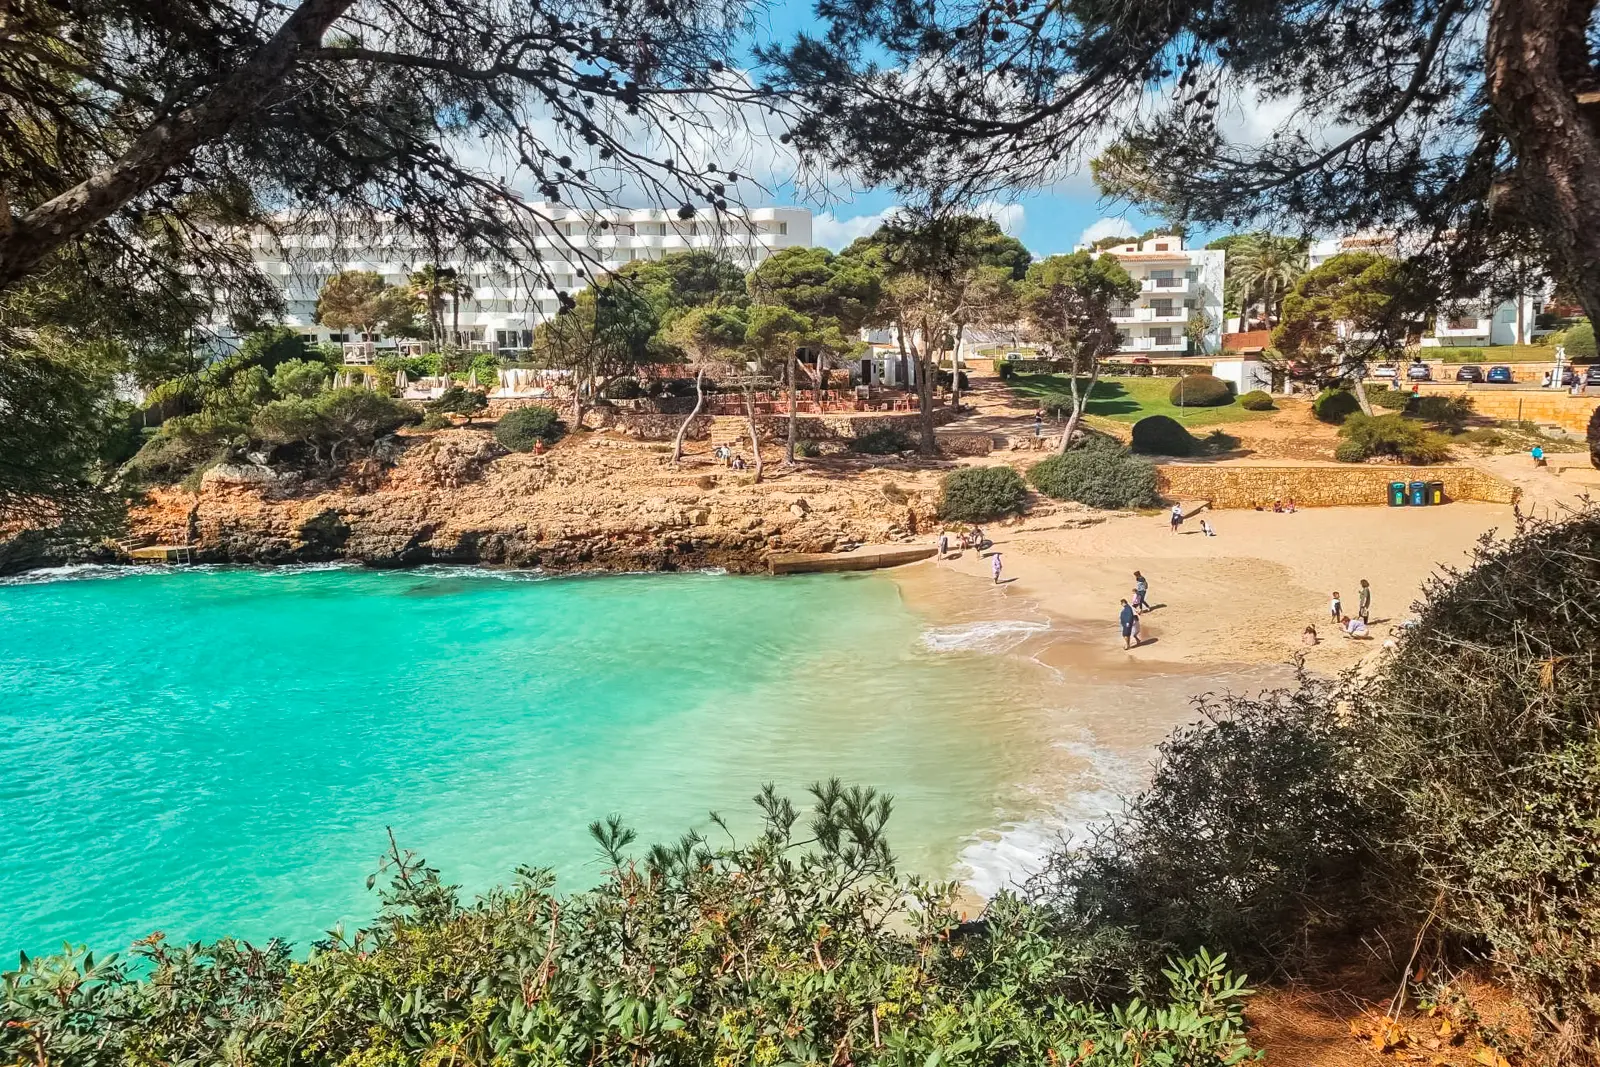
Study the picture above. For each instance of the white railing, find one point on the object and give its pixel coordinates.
(1164, 285)
(1459, 328)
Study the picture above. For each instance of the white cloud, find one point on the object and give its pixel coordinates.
(1009, 217)
(1102, 228)
(830, 232)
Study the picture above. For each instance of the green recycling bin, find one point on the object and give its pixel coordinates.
(1419, 494)
(1397, 494)
(1436, 492)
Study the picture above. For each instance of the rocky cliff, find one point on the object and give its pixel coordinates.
(592, 503)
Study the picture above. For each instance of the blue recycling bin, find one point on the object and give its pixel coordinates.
(1397, 494)
(1419, 494)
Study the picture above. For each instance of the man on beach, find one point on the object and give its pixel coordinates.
(1130, 625)
(995, 564)
(1364, 601)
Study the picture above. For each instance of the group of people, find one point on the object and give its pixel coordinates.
(1349, 626)
(969, 537)
(1281, 507)
(728, 456)
(1177, 522)
(1128, 617)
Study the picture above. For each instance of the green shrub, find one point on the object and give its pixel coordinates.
(808, 449)
(435, 420)
(1097, 476)
(1461, 355)
(1450, 412)
(884, 442)
(1161, 435)
(459, 400)
(1335, 405)
(334, 424)
(170, 455)
(1200, 391)
(1003, 368)
(299, 377)
(1579, 339)
(978, 494)
(520, 429)
(1389, 435)
(1257, 400)
(1389, 399)
(779, 949)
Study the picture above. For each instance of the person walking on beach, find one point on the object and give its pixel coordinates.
(995, 565)
(1140, 589)
(944, 543)
(1177, 517)
(1364, 601)
(1335, 609)
(1129, 619)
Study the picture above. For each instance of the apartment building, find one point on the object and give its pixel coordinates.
(501, 304)
(1470, 325)
(1176, 284)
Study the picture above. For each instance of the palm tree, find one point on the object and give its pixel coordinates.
(1266, 266)
(427, 285)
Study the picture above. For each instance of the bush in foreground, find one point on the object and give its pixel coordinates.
(768, 952)
(978, 494)
(1389, 399)
(520, 429)
(1099, 477)
(1368, 437)
(1162, 435)
(1335, 405)
(1200, 391)
(1257, 400)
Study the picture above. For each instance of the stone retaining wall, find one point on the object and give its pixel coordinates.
(1359, 484)
(1548, 407)
(771, 427)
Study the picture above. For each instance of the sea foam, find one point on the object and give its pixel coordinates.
(995, 635)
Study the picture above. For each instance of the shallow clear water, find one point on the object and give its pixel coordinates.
(210, 752)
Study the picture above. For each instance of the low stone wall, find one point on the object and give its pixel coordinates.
(966, 444)
(1571, 413)
(771, 427)
(1359, 484)
(499, 405)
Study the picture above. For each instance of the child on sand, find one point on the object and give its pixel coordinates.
(994, 564)
(1335, 609)
(1140, 589)
(1308, 636)
(1206, 530)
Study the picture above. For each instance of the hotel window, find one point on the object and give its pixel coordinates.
(783, 227)
(1161, 335)
(1162, 307)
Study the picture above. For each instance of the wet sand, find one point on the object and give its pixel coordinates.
(1228, 614)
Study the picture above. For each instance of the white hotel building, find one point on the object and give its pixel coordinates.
(506, 303)
(1175, 285)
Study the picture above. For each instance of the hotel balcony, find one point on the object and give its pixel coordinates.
(1146, 314)
(1176, 286)
(1152, 344)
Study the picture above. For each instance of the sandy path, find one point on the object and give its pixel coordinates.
(1246, 594)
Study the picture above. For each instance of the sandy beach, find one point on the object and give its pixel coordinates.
(1243, 596)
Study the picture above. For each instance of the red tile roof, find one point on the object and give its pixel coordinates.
(1250, 339)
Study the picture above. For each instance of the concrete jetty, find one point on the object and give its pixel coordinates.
(866, 558)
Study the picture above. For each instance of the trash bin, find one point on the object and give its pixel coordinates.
(1397, 494)
(1436, 492)
(1419, 494)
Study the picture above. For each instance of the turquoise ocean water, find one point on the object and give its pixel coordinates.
(209, 752)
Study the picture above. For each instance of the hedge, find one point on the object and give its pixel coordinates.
(1098, 477)
(978, 494)
(1257, 400)
(1335, 405)
(1200, 391)
(1161, 435)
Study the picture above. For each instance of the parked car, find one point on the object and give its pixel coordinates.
(1469, 373)
(1386, 370)
(1592, 375)
(1141, 359)
(1500, 376)
(1569, 376)
(1419, 372)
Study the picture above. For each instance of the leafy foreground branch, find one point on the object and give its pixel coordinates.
(803, 946)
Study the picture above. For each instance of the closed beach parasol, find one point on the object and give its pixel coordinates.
(472, 378)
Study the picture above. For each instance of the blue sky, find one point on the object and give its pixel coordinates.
(1047, 221)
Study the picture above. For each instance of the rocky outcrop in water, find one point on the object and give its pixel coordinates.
(590, 504)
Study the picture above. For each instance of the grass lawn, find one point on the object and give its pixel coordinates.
(1129, 399)
(1492, 355)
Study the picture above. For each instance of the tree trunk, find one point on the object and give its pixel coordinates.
(955, 370)
(755, 437)
(36, 234)
(1358, 387)
(927, 370)
(699, 399)
(822, 377)
(1078, 404)
(455, 321)
(790, 368)
(1538, 63)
